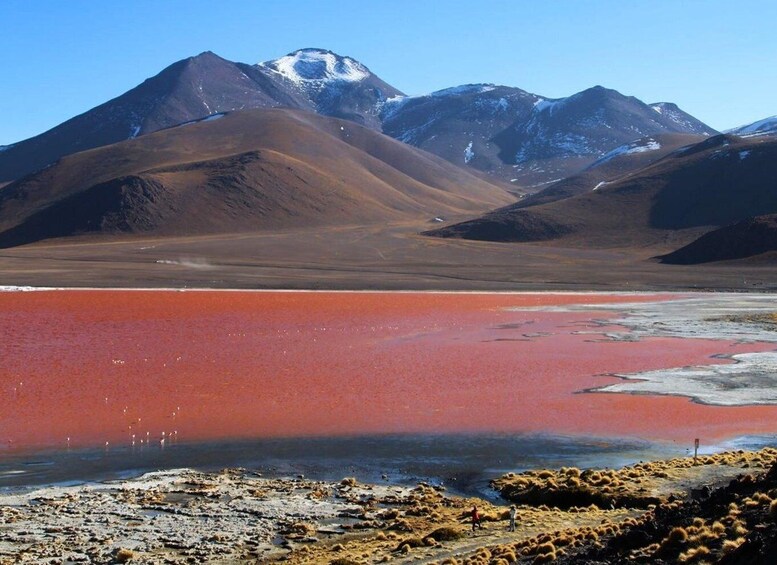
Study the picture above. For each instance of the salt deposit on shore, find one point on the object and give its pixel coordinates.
(744, 379)
(174, 516)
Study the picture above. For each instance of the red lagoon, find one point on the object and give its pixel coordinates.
(101, 366)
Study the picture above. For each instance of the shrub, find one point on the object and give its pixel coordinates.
(446, 534)
(677, 535)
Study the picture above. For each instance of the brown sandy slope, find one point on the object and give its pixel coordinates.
(254, 170)
(714, 183)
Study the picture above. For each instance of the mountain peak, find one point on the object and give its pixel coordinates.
(205, 56)
(312, 65)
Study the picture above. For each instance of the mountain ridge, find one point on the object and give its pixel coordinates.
(475, 126)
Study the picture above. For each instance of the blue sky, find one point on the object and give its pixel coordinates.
(716, 59)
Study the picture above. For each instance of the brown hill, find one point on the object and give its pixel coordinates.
(748, 238)
(246, 171)
(714, 183)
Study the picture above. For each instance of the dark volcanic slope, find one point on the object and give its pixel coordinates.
(713, 183)
(184, 91)
(747, 238)
(247, 171)
(616, 164)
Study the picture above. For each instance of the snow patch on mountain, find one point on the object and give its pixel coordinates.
(315, 66)
(544, 104)
(390, 106)
(743, 154)
(5, 147)
(673, 113)
(468, 153)
(639, 146)
(464, 89)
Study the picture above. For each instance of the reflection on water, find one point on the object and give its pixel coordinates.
(463, 463)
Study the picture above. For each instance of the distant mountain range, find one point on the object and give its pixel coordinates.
(506, 132)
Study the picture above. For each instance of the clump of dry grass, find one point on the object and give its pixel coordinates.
(124, 555)
(409, 543)
(343, 561)
(446, 534)
(569, 487)
(694, 554)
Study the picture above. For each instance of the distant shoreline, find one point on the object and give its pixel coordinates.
(12, 288)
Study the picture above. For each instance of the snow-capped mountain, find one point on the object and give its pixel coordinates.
(334, 85)
(197, 87)
(767, 126)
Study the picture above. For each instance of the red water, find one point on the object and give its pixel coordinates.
(99, 366)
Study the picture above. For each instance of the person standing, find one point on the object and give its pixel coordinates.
(513, 511)
(475, 518)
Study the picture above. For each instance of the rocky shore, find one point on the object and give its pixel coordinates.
(715, 508)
